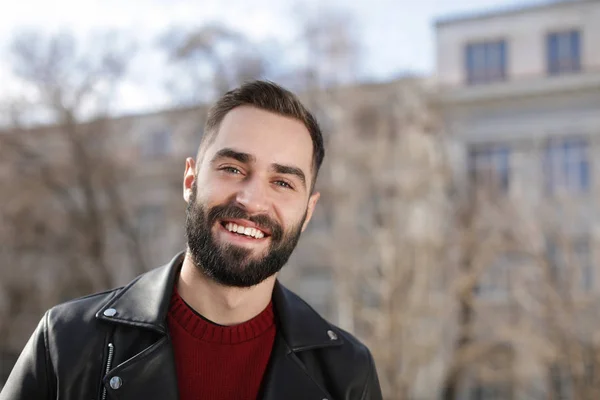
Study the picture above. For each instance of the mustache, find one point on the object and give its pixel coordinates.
(232, 211)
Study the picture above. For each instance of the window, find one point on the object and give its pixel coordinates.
(489, 166)
(29, 163)
(570, 261)
(560, 384)
(583, 259)
(494, 283)
(563, 52)
(157, 143)
(486, 62)
(367, 119)
(571, 264)
(495, 280)
(567, 166)
(557, 263)
(491, 392)
(495, 386)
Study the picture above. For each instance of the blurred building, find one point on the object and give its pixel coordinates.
(520, 94)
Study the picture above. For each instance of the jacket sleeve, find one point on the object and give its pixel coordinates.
(372, 390)
(31, 377)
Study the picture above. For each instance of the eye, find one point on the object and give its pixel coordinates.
(231, 170)
(283, 184)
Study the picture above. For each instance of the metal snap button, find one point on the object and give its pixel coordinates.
(110, 312)
(116, 382)
(332, 335)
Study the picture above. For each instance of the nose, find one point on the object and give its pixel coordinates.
(253, 197)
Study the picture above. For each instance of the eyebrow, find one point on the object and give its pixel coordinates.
(290, 170)
(236, 155)
(246, 158)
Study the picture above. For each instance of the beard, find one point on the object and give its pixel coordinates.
(232, 265)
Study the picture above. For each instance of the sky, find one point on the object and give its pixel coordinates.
(396, 36)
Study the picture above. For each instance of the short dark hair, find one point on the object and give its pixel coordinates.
(268, 96)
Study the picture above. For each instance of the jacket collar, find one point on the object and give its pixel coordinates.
(145, 303)
(301, 327)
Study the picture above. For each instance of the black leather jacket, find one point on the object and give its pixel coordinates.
(116, 345)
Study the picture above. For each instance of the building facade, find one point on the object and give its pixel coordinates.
(520, 96)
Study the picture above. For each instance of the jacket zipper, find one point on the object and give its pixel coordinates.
(111, 352)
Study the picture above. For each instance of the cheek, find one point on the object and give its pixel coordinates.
(293, 215)
(213, 193)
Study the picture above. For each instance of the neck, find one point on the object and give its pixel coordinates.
(224, 305)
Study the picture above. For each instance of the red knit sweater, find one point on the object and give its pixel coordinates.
(219, 362)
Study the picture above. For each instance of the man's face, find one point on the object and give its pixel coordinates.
(250, 198)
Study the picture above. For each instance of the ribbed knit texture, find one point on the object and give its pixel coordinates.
(217, 362)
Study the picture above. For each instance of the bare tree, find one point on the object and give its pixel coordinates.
(209, 61)
(388, 224)
(410, 249)
(536, 339)
(328, 45)
(63, 208)
(556, 300)
(484, 231)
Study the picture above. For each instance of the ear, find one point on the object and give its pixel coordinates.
(188, 178)
(312, 202)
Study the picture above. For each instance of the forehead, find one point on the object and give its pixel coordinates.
(270, 137)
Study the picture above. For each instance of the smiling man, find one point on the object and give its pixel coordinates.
(214, 323)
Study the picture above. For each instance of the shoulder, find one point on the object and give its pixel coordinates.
(79, 310)
(353, 343)
(353, 353)
(305, 328)
(333, 356)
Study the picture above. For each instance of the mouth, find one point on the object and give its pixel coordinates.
(244, 229)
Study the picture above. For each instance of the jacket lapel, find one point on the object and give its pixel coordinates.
(299, 328)
(144, 303)
(300, 325)
(149, 375)
(287, 378)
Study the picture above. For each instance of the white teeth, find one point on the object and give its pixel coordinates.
(231, 227)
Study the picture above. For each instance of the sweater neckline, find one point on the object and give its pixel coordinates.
(204, 330)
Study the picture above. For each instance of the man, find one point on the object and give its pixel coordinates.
(214, 323)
